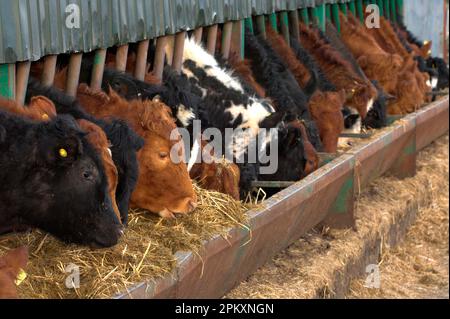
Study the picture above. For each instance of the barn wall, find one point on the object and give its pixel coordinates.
(426, 20)
(30, 29)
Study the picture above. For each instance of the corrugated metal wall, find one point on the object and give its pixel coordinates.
(30, 29)
(426, 20)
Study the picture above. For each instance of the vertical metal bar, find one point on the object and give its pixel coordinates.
(380, 4)
(400, 7)
(178, 51)
(261, 23)
(227, 33)
(121, 58)
(273, 21)
(328, 12)
(237, 39)
(335, 14)
(387, 9)
(352, 7)
(198, 33)
(319, 15)
(249, 25)
(141, 60)
(73, 74)
(343, 7)
(293, 20)
(444, 33)
(393, 9)
(212, 39)
(284, 22)
(160, 56)
(170, 46)
(305, 15)
(8, 80)
(98, 69)
(48, 74)
(359, 8)
(22, 74)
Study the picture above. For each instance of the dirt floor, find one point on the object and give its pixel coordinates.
(417, 268)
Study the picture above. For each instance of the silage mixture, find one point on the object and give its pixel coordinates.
(145, 252)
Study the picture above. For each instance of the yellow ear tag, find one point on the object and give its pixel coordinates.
(62, 153)
(20, 277)
(45, 117)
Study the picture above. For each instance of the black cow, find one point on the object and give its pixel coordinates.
(280, 84)
(125, 142)
(53, 179)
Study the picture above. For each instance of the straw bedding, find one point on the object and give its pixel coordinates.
(146, 250)
(419, 268)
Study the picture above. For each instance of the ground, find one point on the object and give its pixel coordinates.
(417, 268)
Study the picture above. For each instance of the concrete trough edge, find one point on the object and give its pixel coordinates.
(291, 213)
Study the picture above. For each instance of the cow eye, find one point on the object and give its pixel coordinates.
(163, 154)
(87, 175)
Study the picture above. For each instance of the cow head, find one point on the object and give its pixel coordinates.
(383, 68)
(163, 185)
(68, 189)
(97, 138)
(325, 109)
(11, 265)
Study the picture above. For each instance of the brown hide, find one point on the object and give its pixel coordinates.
(326, 111)
(163, 186)
(97, 138)
(358, 91)
(11, 264)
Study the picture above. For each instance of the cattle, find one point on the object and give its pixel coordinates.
(97, 138)
(164, 186)
(360, 93)
(280, 84)
(12, 266)
(53, 179)
(305, 78)
(125, 143)
(376, 63)
(42, 109)
(225, 104)
(441, 67)
(243, 69)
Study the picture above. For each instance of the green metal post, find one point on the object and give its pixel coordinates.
(335, 14)
(305, 16)
(319, 14)
(249, 25)
(380, 4)
(284, 22)
(399, 8)
(261, 23)
(359, 8)
(352, 7)
(273, 21)
(393, 9)
(387, 11)
(328, 12)
(8, 80)
(343, 7)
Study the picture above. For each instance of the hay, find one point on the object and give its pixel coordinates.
(145, 252)
(308, 268)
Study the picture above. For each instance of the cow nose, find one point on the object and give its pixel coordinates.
(192, 205)
(120, 230)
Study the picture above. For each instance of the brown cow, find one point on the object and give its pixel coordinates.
(163, 186)
(216, 174)
(11, 266)
(360, 94)
(376, 63)
(277, 42)
(39, 109)
(97, 138)
(326, 111)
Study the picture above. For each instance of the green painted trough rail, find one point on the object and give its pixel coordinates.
(324, 198)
